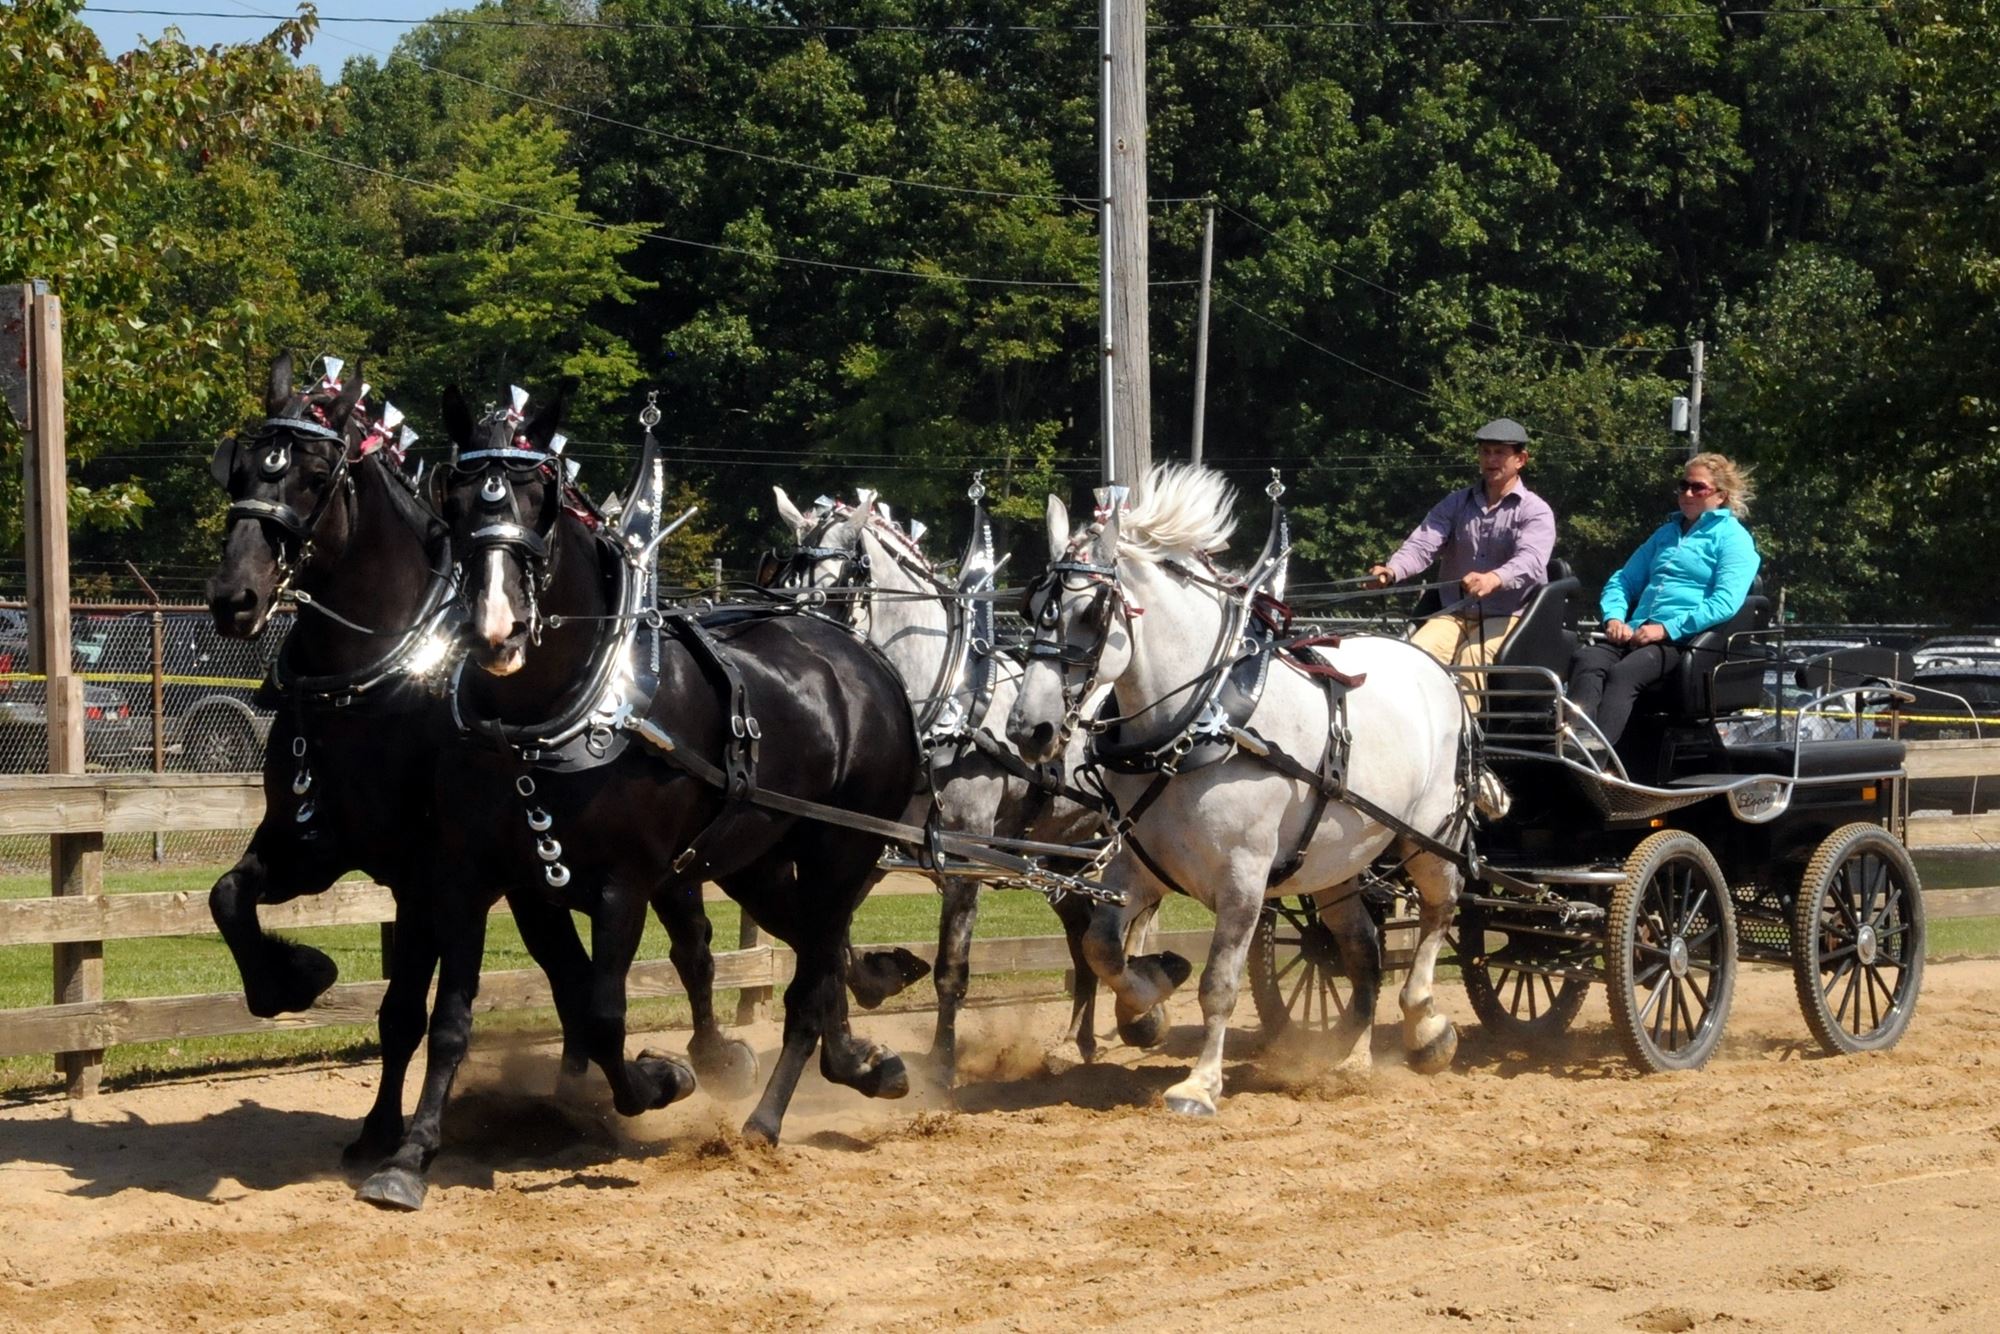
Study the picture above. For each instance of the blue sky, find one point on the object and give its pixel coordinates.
(336, 43)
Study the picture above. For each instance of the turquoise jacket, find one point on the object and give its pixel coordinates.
(1685, 581)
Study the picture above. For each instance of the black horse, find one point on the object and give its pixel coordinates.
(597, 789)
(348, 770)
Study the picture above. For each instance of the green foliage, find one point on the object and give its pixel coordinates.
(92, 154)
(1423, 227)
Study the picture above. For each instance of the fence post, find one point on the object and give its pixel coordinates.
(159, 712)
(76, 861)
(752, 1003)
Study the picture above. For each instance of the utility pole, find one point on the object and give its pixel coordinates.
(1201, 333)
(1128, 382)
(31, 346)
(1694, 401)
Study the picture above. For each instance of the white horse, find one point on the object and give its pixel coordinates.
(1133, 601)
(898, 602)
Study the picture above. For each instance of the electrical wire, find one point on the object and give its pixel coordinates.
(1202, 29)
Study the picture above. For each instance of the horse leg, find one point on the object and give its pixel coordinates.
(1429, 1037)
(279, 976)
(461, 932)
(1140, 983)
(655, 1079)
(725, 1065)
(1079, 1042)
(814, 975)
(413, 958)
(1238, 904)
(1360, 944)
(551, 940)
(954, 966)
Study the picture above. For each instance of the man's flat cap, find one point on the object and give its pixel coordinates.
(1503, 431)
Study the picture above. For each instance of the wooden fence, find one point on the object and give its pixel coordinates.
(100, 804)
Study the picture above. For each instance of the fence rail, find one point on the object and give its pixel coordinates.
(123, 803)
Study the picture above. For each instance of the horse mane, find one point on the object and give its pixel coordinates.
(1181, 510)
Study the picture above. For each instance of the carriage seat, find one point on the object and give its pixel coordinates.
(1545, 635)
(1861, 665)
(1816, 759)
(1722, 670)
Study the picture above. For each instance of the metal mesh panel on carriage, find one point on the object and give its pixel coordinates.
(1627, 801)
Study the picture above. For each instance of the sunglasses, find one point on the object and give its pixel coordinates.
(1692, 488)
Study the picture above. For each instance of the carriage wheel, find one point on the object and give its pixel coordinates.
(1670, 953)
(1858, 940)
(1515, 1005)
(1294, 968)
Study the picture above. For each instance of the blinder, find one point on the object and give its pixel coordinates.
(279, 437)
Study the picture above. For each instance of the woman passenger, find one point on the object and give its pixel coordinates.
(1692, 574)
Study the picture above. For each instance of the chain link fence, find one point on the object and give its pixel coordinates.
(162, 692)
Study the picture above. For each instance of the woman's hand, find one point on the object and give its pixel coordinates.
(1617, 632)
(1652, 632)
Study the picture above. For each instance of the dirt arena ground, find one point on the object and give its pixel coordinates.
(1773, 1191)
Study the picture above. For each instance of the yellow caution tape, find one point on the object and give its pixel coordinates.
(146, 678)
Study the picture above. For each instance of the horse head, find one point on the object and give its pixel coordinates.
(290, 494)
(502, 497)
(1085, 606)
(827, 543)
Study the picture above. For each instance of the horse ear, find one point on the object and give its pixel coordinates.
(350, 397)
(1058, 521)
(542, 429)
(769, 567)
(1106, 550)
(864, 506)
(790, 513)
(457, 416)
(280, 391)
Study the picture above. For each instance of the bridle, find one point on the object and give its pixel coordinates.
(297, 531)
(498, 513)
(1048, 641)
(854, 572)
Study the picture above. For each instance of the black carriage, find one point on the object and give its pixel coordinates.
(1654, 868)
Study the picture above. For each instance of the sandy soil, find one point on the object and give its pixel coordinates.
(1774, 1190)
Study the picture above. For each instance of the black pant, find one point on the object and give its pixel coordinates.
(1605, 680)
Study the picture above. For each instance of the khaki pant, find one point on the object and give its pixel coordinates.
(1464, 641)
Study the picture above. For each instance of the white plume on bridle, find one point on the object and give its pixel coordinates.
(1180, 510)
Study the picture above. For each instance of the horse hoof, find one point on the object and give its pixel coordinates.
(1177, 969)
(395, 1188)
(671, 1077)
(1188, 1106)
(1149, 1030)
(727, 1069)
(1436, 1054)
(879, 974)
(759, 1131)
(574, 1065)
(889, 1079)
(303, 975)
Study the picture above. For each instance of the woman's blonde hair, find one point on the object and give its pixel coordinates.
(1733, 480)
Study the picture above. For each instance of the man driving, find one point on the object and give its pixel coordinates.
(1492, 543)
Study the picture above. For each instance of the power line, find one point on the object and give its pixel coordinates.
(1549, 21)
(692, 142)
(711, 246)
(1426, 395)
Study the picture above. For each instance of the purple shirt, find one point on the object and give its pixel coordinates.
(1512, 539)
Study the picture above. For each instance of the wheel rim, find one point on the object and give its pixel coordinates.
(1306, 964)
(1862, 941)
(1678, 955)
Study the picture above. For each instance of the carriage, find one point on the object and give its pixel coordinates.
(1656, 868)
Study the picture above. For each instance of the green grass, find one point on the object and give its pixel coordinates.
(200, 964)
(196, 965)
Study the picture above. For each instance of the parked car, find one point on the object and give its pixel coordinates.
(1948, 651)
(24, 717)
(209, 723)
